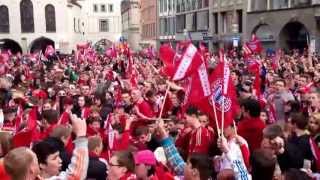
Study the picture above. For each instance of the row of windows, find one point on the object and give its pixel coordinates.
(149, 30)
(189, 5)
(227, 22)
(103, 8)
(196, 21)
(27, 19)
(258, 5)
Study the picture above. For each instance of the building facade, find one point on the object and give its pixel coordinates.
(130, 19)
(228, 23)
(148, 22)
(102, 21)
(30, 25)
(287, 24)
(166, 21)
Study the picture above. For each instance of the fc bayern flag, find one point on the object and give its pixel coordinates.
(223, 91)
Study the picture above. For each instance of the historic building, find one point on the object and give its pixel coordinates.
(130, 19)
(148, 23)
(227, 23)
(166, 21)
(102, 21)
(285, 24)
(192, 20)
(29, 25)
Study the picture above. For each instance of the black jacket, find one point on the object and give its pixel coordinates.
(97, 169)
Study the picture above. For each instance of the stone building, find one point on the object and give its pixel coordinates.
(148, 23)
(287, 24)
(130, 19)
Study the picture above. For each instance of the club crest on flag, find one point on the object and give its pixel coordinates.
(218, 98)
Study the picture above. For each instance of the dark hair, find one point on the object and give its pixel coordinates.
(51, 116)
(141, 130)
(299, 120)
(125, 158)
(191, 110)
(263, 164)
(272, 131)
(293, 174)
(252, 106)
(43, 149)
(203, 164)
(92, 119)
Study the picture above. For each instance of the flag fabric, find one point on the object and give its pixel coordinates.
(275, 60)
(246, 50)
(255, 44)
(188, 63)
(223, 91)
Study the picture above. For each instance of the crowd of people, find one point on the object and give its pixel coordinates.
(120, 117)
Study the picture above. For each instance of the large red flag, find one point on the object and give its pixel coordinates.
(223, 91)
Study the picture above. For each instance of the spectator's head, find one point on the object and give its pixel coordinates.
(293, 174)
(314, 123)
(21, 164)
(192, 114)
(9, 114)
(299, 121)
(47, 105)
(49, 117)
(95, 144)
(204, 120)
(120, 164)
(264, 116)
(251, 108)
(226, 174)
(62, 132)
(145, 162)
(314, 99)
(280, 85)
(85, 90)
(198, 167)
(48, 158)
(263, 163)
(82, 101)
(269, 133)
(142, 134)
(5, 143)
(136, 95)
(94, 123)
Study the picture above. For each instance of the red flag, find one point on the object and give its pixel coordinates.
(255, 44)
(130, 64)
(32, 121)
(189, 63)
(306, 88)
(246, 50)
(276, 60)
(223, 91)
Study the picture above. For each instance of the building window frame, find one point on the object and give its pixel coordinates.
(104, 25)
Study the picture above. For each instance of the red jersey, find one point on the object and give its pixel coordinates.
(200, 140)
(145, 109)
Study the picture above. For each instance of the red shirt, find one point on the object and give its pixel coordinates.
(200, 140)
(145, 109)
(251, 130)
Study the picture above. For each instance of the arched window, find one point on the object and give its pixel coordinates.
(26, 14)
(4, 19)
(50, 18)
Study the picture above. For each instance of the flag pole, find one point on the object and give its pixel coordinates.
(215, 117)
(164, 101)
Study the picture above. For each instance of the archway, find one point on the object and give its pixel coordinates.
(9, 44)
(294, 35)
(265, 34)
(40, 44)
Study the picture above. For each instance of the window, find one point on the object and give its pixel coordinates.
(165, 5)
(161, 6)
(206, 3)
(216, 25)
(191, 22)
(95, 8)
(239, 13)
(103, 8)
(169, 5)
(4, 19)
(50, 16)
(26, 15)
(79, 24)
(224, 22)
(104, 25)
(203, 20)
(180, 23)
(111, 8)
(199, 4)
(74, 25)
